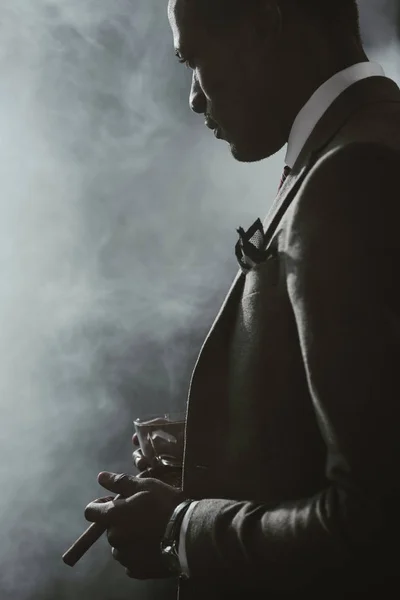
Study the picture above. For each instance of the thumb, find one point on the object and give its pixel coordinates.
(120, 483)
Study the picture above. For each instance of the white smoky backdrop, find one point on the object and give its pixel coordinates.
(117, 234)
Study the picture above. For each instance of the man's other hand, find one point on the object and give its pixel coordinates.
(137, 522)
(140, 462)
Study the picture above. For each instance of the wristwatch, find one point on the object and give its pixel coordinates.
(169, 543)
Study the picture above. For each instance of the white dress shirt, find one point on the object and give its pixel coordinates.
(303, 125)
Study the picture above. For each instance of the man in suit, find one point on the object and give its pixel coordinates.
(292, 453)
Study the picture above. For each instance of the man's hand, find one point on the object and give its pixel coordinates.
(136, 524)
(140, 461)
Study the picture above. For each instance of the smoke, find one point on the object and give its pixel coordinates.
(117, 234)
(378, 21)
(116, 249)
(379, 26)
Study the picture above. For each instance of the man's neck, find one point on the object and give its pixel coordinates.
(323, 68)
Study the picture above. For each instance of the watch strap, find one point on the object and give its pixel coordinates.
(169, 543)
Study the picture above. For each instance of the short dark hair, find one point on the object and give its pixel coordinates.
(342, 13)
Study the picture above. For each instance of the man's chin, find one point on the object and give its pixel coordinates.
(249, 153)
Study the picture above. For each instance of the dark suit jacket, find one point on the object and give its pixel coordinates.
(293, 422)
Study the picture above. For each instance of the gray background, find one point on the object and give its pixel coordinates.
(117, 233)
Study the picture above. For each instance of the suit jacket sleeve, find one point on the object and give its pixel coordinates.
(342, 257)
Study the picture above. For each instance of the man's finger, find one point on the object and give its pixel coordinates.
(103, 499)
(126, 557)
(120, 483)
(99, 510)
(122, 538)
(130, 574)
(139, 460)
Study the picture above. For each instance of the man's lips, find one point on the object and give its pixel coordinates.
(210, 123)
(216, 128)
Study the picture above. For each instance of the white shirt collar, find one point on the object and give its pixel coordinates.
(320, 101)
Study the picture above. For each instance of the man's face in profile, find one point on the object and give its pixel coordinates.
(234, 83)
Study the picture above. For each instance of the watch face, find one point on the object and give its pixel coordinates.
(171, 559)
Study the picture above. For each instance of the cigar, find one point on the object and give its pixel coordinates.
(85, 541)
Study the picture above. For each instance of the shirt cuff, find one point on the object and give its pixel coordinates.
(182, 535)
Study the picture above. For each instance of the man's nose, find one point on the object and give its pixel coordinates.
(197, 99)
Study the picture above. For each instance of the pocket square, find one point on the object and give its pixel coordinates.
(250, 249)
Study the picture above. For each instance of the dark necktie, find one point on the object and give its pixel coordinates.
(285, 173)
(250, 248)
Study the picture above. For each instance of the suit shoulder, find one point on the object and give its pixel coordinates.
(377, 122)
(353, 158)
(353, 186)
(355, 174)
